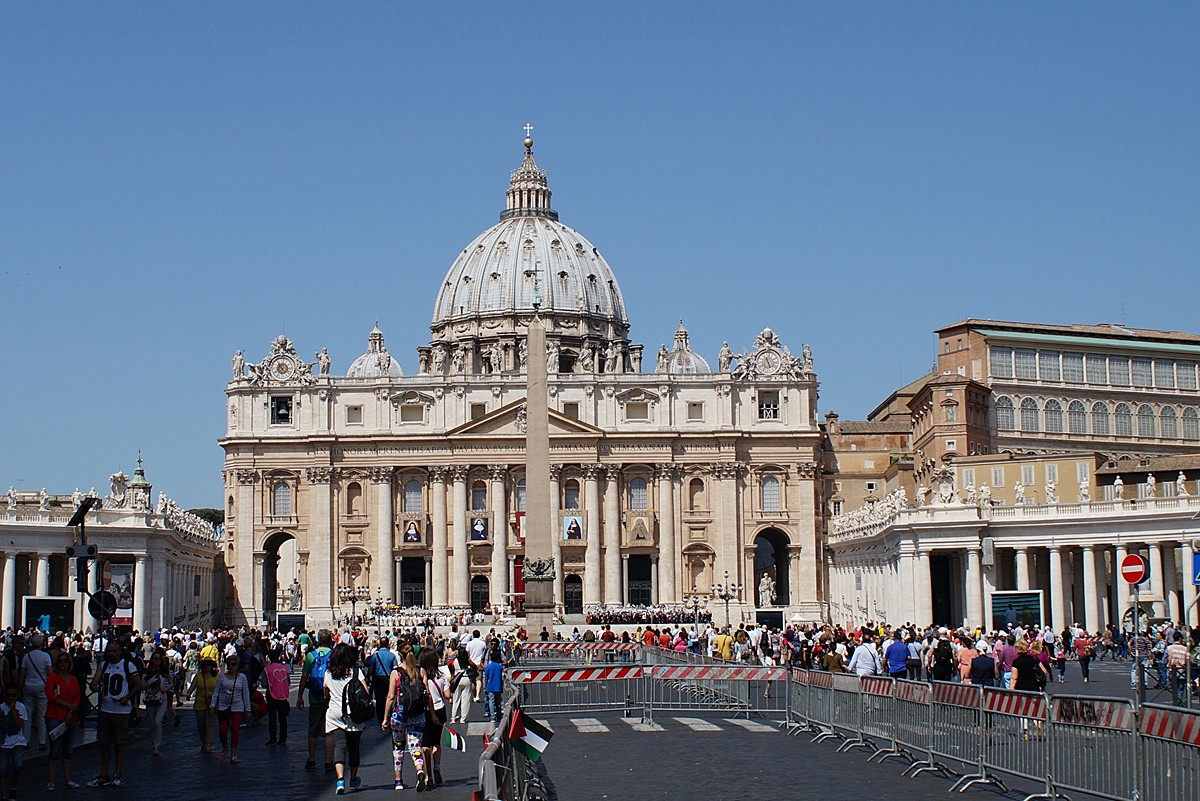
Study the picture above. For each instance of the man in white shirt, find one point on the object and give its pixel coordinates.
(865, 661)
(35, 667)
(14, 717)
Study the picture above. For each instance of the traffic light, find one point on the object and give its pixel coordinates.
(81, 551)
(81, 573)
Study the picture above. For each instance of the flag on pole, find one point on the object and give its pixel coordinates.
(528, 736)
(454, 740)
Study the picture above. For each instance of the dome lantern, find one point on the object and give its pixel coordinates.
(528, 194)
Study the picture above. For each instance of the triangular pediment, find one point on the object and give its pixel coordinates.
(510, 420)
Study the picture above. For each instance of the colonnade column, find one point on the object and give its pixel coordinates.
(923, 591)
(500, 573)
(1123, 587)
(1091, 591)
(974, 588)
(437, 583)
(556, 532)
(624, 579)
(612, 536)
(1021, 558)
(43, 575)
(385, 538)
(1056, 588)
(323, 574)
(141, 582)
(459, 589)
(1157, 585)
(163, 594)
(591, 558)
(8, 586)
(1187, 614)
(666, 529)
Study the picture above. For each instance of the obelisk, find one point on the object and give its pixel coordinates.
(539, 568)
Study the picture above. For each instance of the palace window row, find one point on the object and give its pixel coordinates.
(1097, 369)
(1121, 420)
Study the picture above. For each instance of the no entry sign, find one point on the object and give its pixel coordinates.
(1135, 568)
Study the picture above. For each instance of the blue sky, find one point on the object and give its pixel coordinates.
(178, 181)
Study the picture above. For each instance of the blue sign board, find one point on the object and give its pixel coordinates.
(1196, 568)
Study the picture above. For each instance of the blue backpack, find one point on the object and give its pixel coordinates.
(316, 674)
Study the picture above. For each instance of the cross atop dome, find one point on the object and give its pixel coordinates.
(528, 195)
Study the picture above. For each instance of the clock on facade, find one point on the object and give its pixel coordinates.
(768, 361)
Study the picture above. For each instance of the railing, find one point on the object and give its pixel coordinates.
(505, 774)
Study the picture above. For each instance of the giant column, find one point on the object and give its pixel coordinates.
(1091, 591)
(591, 554)
(460, 574)
(8, 586)
(974, 588)
(540, 566)
(498, 494)
(141, 584)
(385, 548)
(43, 575)
(1057, 615)
(1123, 587)
(1157, 585)
(1021, 556)
(243, 530)
(319, 594)
(922, 591)
(666, 529)
(1188, 613)
(555, 527)
(612, 536)
(437, 489)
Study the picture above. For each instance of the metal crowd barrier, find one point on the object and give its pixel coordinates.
(594, 689)
(1093, 746)
(735, 689)
(536, 654)
(1014, 739)
(1170, 740)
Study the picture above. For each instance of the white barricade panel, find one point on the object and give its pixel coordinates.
(1016, 741)
(1093, 745)
(1170, 741)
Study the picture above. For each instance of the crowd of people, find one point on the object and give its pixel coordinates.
(656, 614)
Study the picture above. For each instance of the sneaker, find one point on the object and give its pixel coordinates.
(72, 785)
(100, 781)
(341, 787)
(117, 782)
(355, 783)
(420, 780)
(310, 764)
(437, 777)
(50, 788)
(399, 786)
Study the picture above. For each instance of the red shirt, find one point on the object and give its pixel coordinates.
(664, 640)
(608, 636)
(60, 689)
(648, 637)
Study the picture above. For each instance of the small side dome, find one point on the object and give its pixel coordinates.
(376, 362)
(682, 360)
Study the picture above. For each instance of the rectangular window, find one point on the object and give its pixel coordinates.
(1168, 489)
(967, 476)
(997, 476)
(281, 411)
(1142, 372)
(868, 464)
(768, 405)
(354, 415)
(1027, 474)
(1026, 363)
(858, 582)
(1083, 472)
(1110, 492)
(479, 497)
(1049, 363)
(637, 411)
(571, 409)
(1187, 374)
(478, 410)
(1118, 371)
(412, 413)
(837, 508)
(870, 486)
(695, 411)
(951, 444)
(1097, 369)
(1072, 368)
(1000, 361)
(1164, 374)
(1052, 473)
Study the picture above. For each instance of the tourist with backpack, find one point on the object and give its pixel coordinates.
(380, 665)
(941, 657)
(312, 682)
(408, 710)
(343, 719)
(278, 679)
(116, 681)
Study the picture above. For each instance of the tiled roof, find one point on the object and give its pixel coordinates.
(1111, 330)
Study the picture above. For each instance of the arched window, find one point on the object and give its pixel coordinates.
(414, 501)
(1005, 417)
(639, 499)
(479, 496)
(770, 494)
(1145, 420)
(1029, 415)
(1077, 417)
(1100, 419)
(1054, 417)
(1191, 423)
(571, 494)
(281, 499)
(229, 507)
(1123, 420)
(1169, 423)
(695, 494)
(354, 498)
(520, 495)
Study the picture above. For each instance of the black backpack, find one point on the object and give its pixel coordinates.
(412, 696)
(357, 703)
(943, 656)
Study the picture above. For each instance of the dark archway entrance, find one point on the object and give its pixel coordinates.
(641, 580)
(940, 589)
(573, 595)
(275, 597)
(480, 594)
(771, 559)
(412, 581)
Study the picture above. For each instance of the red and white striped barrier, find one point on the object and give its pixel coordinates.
(875, 685)
(568, 647)
(964, 695)
(822, 680)
(912, 692)
(1083, 711)
(799, 677)
(1017, 704)
(1171, 724)
(576, 674)
(719, 673)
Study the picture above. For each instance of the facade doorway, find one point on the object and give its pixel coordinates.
(641, 580)
(480, 594)
(278, 572)
(573, 595)
(771, 559)
(412, 581)
(940, 586)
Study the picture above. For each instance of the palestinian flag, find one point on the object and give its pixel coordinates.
(528, 736)
(454, 740)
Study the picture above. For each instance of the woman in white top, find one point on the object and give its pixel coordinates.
(437, 692)
(343, 737)
(231, 700)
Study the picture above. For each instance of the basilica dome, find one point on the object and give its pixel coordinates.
(376, 362)
(494, 276)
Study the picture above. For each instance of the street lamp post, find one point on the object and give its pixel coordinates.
(726, 592)
(353, 595)
(694, 603)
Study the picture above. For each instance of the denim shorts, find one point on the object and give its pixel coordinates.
(12, 760)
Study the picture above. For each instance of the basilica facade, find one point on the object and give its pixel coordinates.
(669, 477)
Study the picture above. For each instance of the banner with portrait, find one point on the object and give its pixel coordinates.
(639, 528)
(520, 526)
(410, 531)
(572, 526)
(479, 529)
(118, 578)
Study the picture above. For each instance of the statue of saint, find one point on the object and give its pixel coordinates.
(43, 500)
(612, 357)
(664, 359)
(587, 358)
(1019, 493)
(1051, 492)
(523, 352)
(497, 358)
(439, 359)
(1151, 485)
(552, 357)
(724, 358)
(985, 495)
(385, 362)
(1181, 485)
(1085, 492)
(1118, 489)
(12, 498)
(295, 596)
(323, 361)
(239, 366)
(766, 590)
(806, 356)
(460, 360)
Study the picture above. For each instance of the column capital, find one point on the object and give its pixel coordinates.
(723, 471)
(666, 471)
(439, 474)
(381, 475)
(806, 470)
(246, 476)
(591, 472)
(320, 475)
(458, 474)
(497, 472)
(555, 471)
